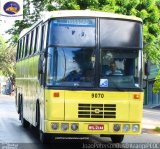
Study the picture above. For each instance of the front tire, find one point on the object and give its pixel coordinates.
(45, 138)
(117, 138)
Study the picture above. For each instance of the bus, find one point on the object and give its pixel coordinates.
(62, 84)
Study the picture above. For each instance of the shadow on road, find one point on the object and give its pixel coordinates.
(69, 141)
(69, 144)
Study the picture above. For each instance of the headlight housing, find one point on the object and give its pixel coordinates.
(116, 127)
(74, 126)
(126, 127)
(64, 126)
(54, 126)
(135, 127)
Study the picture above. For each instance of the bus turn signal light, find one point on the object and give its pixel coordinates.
(136, 96)
(56, 94)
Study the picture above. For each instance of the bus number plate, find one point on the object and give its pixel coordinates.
(95, 127)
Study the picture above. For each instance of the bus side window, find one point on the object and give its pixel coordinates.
(28, 44)
(31, 42)
(35, 40)
(23, 47)
(19, 49)
(43, 37)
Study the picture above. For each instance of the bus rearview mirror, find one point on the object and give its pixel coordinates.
(147, 68)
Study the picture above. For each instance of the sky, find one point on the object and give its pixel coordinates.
(4, 26)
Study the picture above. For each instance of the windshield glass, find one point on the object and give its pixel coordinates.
(82, 54)
(70, 66)
(120, 68)
(73, 32)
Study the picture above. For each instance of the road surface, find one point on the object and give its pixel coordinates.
(13, 135)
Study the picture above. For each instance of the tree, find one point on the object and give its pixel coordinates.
(2, 52)
(156, 86)
(7, 58)
(31, 14)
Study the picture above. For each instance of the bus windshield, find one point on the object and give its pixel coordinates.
(81, 55)
(71, 67)
(120, 68)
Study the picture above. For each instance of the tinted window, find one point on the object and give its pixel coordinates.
(26, 45)
(72, 32)
(31, 42)
(120, 68)
(120, 34)
(36, 40)
(23, 47)
(71, 67)
(43, 37)
(19, 49)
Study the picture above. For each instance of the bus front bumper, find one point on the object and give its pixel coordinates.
(68, 127)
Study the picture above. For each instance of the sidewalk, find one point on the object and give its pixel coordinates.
(151, 118)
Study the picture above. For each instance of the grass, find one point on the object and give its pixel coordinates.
(157, 129)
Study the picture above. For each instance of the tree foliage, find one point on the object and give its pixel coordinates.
(7, 58)
(2, 50)
(148, 10)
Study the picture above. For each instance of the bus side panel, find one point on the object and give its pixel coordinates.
(31, 89)
(35, 88)
(37, 94)
(24, 83)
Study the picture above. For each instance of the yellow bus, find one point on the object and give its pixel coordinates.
(64, 79)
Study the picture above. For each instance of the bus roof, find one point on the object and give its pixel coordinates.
(79, 13)
(87, 13)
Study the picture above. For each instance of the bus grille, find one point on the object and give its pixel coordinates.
(96, 111)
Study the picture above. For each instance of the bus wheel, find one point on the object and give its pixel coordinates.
(18, 103)
(45, 138)
(24, 123)
(117, 138)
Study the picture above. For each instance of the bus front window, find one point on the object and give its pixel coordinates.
(70, 67)
(120, 68)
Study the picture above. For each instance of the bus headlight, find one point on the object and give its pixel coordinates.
(54, 126)
(74, 127)
(135, 128)
(126, 127)
(64, 126)
(116, 127)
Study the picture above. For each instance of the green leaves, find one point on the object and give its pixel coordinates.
(7, 58)
(156, 86)
(143, 14)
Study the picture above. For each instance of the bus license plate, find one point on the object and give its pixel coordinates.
(95, 127)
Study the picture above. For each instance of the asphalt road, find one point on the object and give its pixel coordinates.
(13, 135)
(151, 118)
